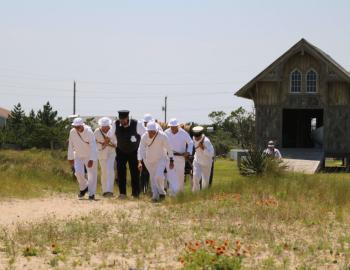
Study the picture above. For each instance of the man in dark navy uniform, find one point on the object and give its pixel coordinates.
(128, 132)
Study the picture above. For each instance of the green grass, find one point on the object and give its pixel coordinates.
(293, 221)
(34, 173)
(330, 162)
(324, 190)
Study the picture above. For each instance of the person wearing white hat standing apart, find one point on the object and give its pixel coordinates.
(82, 151)
(155, 152)
(182, 145)
(272, 151)
(203, 159)
(106, 155)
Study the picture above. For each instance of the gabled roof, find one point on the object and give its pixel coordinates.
(303, 43)
(4, 113)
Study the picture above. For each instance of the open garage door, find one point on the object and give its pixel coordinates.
(298, 125)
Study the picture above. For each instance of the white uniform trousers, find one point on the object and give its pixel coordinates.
(107, 174)
(200, 172)
(176, 176)
(91, 182)
(156, 175)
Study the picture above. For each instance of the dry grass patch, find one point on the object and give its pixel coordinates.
(293, 221)
(34, 173)
(160, 237)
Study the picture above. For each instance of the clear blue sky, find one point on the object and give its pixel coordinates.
(130, 54)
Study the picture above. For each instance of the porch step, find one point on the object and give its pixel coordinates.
(305, 160)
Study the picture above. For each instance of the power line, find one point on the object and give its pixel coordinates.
(29, 75)
(33, 87)
(103, 91)
(146, 96)
(162, 84)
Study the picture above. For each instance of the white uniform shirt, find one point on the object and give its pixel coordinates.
(144, 130)
(154, 151)
(179, 140)
(108, 151)
(276, 153)
(83, 146)
(204, 157)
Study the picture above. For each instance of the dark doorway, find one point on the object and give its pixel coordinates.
(298, 125)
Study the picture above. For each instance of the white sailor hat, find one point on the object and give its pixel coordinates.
(173, 122)
(271, 144)
(77, 122)
(147, 118)
(104, 122)
(151, 126)
(72, 116)
(198, 130)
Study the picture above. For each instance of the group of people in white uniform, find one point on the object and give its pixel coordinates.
(145, 147)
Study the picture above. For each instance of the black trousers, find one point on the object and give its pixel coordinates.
(144, 178)
(131, 159)
(211, 174)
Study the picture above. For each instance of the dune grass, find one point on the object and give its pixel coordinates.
(34, 173)
(293, 221)
(323, 189)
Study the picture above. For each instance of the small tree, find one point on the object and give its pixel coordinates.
(47, 116)
(41, 130)
(30, 125)
(243, 127)
(90, 121)
(217, 117)
(2, 136)
(235, 130)
(222, 141)
(15, 126)
(52, 131)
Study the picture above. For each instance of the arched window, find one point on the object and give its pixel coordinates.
(311, 81)
(295, 81)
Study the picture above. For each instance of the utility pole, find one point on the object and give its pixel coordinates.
(164, 108)
(74, 96)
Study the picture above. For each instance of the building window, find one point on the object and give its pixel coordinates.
(311, 82)
(295, 81)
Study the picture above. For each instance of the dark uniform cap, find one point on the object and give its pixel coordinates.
(123, 114)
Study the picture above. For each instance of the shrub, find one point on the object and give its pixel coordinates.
(258, 163)
(211, 255)
(30, 252)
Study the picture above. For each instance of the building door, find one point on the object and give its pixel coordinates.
(298, 125)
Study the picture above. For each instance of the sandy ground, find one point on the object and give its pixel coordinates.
(62, 207)
(65, 207)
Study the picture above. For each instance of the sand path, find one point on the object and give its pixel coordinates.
(15, 211)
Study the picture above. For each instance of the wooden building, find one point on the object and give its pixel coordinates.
(4, 114)
(302, 91)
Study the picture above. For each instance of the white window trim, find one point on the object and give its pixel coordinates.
(311, 69)
(290, 81)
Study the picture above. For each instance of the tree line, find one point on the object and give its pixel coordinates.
(41, 129)
(45, 129)
(233, 130)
